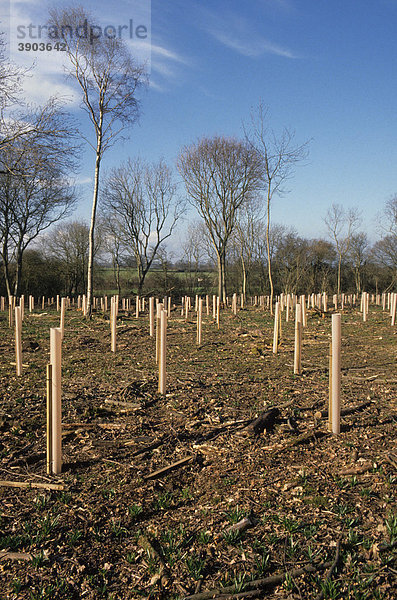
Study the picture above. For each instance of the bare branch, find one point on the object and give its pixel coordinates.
(280, 154)
(221, 175)
(108, 78)
(141, 199)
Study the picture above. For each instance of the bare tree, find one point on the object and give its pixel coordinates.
(113, 244)
(68, 244)
(141, 198)
(194, 254)
(291, 261)
(280, 154)
(341, 225)
(248, 228)
(322, 259)
(194, 247)
(10, 76)
(19, 121)
(108, 78)
(221, 174)
(358, 254)
(8, 198)
(384, 252)
(390, 214)
(35, 187)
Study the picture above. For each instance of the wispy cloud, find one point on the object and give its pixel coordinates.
(40, 87)
(156, 86)
(166, 65)
(163, 62)
(166, 53)
(166, 62)
(208, 93)
(238, 34)
(45, 70)
(253, 46)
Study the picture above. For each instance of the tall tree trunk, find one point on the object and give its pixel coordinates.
(244, 276)
(18, 272)
(139, 271)
(269, 264)
(339, 272)
(118, 277)
(358, 282)
(141, 279)
(7, 278)
(223, 261)
(220, 276)
(90, 269)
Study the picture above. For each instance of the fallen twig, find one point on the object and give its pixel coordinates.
(361, 379)
(4, 555)
(302, 438)
(240, 526)
(363, 468)
(168, 468)
(257, 584)
(32, 485)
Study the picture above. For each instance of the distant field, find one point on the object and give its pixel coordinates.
(106, 280)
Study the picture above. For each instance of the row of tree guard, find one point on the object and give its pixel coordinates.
(158, 327)
(284, 303)
(320, 301)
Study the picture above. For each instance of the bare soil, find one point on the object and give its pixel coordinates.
(302, 498)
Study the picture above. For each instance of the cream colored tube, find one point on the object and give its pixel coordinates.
(336, 372)
(56, 429)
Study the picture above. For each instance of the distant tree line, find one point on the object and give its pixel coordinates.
(58, 262)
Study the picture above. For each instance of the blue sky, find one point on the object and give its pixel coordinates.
(326, 69)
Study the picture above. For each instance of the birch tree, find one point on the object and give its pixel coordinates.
(109, 79)
(280, 154)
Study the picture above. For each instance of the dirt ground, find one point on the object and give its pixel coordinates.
(242, 504)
